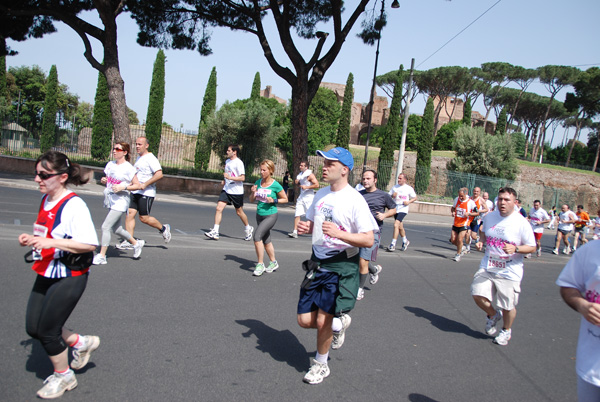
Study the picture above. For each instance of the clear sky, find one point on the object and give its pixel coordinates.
(529, 33)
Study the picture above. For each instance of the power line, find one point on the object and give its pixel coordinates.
(464, 29)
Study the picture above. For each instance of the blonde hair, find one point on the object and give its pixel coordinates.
(269, 164)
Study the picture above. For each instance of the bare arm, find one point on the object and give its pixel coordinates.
(313, 183)
(155, 177)
(590, 311)
(363, 239)
(69, 245)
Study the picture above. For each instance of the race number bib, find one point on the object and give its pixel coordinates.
(38, 231)
(262, 194)
(497, 262)
(460, 212)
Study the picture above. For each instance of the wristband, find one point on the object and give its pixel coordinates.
(275, 200)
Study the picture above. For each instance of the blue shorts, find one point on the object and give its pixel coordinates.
(321, 293)
(400, 216)
(474, 226)
(370, 253)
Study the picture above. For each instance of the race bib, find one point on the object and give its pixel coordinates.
(497, 262)
(460, 212)
(38, 231)
(262, 194)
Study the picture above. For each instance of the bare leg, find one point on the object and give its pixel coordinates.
(484, 304)
(242, 215)
(508, 317)
(130, 221)
(260, 251)
(219, 212)
(151, 221)
(401, 229)
(296, 221)
(270, 251)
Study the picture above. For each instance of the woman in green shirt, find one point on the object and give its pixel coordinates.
(268, 193)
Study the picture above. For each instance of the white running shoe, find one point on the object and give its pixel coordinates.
(373, 278)
(81, 356)
(567, 250)
(137, 249)
(272, 267)
(490, 325)
(555, 251)
(539, 252)
(340, 336)
(503, 337)
(167, 233)
(249, 233)
(124, 245)
(405, 246)
(213, 234)
(316, 374)
(99, 259)
(456, 257)
(293, 235)
(57, 384)
(259, 269)
(361, 294)
(391, 248)
(528, 255)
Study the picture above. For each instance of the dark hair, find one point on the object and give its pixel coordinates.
(235, 148)
(372, 171)
(126, 148)
(580, 206)
(53, 160)
(508, 190)
(534, 201)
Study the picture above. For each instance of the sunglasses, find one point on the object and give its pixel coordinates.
(46, 176)
(118, 149)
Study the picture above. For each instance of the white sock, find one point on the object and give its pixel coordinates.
(322, 358)
(393, 242)
(336, 325)
(404, 239)
(248, 227)
(216, 228)
(80, 342)
(295, 231)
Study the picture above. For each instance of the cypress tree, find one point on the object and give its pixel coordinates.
(390, 138)
(102, 125)
(501, 123)
(343, 132)
(424, 147)
(48, 137)
(255, 94)
(3, 92)
(209, 104)
(156, 104)
(467, 113)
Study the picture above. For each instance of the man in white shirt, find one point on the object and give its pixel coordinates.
(307, 182)
(148, 173)
(403, 195)
(488, 202)
(537, 218)
(232, 193)
(497, 284)
(566, 223)
(340, 222)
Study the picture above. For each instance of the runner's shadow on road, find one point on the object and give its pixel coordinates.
(283, 346)
(430, 253)
(39, 363)
(445, 324)
(420, 398)
(245, 264)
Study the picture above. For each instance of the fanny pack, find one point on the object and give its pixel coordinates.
(73, 261)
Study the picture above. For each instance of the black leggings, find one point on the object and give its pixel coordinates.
(265, 224)
(51, 302)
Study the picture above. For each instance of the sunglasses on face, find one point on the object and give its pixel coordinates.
(118, 149)
(46, 176)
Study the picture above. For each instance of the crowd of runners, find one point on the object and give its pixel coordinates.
(345, 225)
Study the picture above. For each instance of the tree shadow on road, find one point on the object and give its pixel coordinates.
(430, 253)
(245, 264)
(445, 324)
(283, 346)
(420, 398)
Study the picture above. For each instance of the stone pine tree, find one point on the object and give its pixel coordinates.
(343, 132)
(156, 103)
(501, 123)
(209, 104)
(467, 110)
(255, 94)
(102, 124)
(48, 137)
(424, 147)
(390, 138)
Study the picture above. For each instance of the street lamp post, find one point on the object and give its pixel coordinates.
(405, 120)
(395, 4)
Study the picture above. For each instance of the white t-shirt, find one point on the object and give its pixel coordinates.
(117, 174)
(596, 222)
(234, 168)
(403, 193)
(146, 166)
(499, 230)
(582, 272)
(346, 208)
(490, 206)
(567, 216)
(535, 217)
(303, 181)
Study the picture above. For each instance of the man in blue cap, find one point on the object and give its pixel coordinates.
(340, 222)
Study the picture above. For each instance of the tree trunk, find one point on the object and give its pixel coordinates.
(597, 154)
(577, 132)
(300, 106)
(527, 141)
(534, 137)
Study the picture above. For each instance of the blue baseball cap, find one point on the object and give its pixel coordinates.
(339, 154)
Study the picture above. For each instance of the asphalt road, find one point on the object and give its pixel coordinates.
(188, 321)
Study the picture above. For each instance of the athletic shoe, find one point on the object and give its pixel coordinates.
(124, 245)
(249, 234)
(539, 252)
(137, 249)
(555, 251)
(405, 245)
(373, 278)
(99, 259)
(503, 337)
(56, 385)
(293, 235)
(528, 255)
(166, 234)
(213, 234)
(259, 270)
(456, 257)
(391, 248)
(467, 250)
(490, 325)
(567, 250)
(316, 374)
(574, 248)
(361, 294)
(272, 267)
(340, 336)
(81, 356)
(463, 251)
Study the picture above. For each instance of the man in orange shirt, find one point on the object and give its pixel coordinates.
(583, 219)
(475, 221)
(462, 210)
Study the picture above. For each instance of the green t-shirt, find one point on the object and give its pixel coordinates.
(264, 208)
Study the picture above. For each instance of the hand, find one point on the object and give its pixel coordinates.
(142, 186)
(509, 248)
(24, 239)
(591, 312)
(269, 200)
(35, 241)
(479, 246)
(453, 214)
(405, 202)
(253, 188)
(303, 227)
(119, 187)
(226, 176)
(103, 180)
(330, 229)
(379, 216)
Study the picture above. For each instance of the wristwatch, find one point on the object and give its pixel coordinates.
(516, 249)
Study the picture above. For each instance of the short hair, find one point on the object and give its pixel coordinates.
(372, 171)
(235, 148)
(145, 139)
(403, 174)
(463, 190)
(508, 190)
(270, 165)
(305, 162)
(580, 206)
(534, 201)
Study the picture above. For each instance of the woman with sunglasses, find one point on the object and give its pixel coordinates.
(120, 175)
(63, 226)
